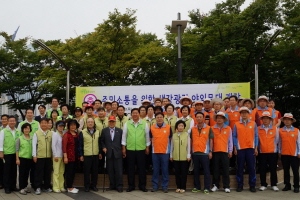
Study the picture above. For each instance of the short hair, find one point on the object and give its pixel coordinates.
(64, 105)
(46, 120)
(168, 105)
(116, 103)
(180, 122)
(159, 113)
(98, 101)
(233, 96)
(149, 106)
(25, 125)
(226, 98)
(84, 103)
(141, 108)
(54, 98)
(53, 111)
(12, 116)
(158, 99)
(199, 113)
(78, 109)
(167, 99)
(121, 107)
(134, 110)
(158, 108)
(72, 121)
(4, 115)
(100, 109)
(189, 109)
(271, 100)
(29, 109)
(43, 106)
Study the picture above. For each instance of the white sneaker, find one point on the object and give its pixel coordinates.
(215, 188)
(74, 191)
(38, 191)
(262, 188)
(275, 188)
(227, 190)
(63, 190)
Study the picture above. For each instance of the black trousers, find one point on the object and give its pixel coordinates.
(221, 162)
(32, 175)
(43, 171)
(137, 158)
(1, 172)
(181, 170)
(115, 171)
(10, 171)
(90, 170)
(70, 170)
(293, 162)
(24, 168)
(265, 160)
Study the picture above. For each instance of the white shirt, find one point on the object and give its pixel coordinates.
(57, 145)
(34, 143)
(13, 132)
(112, 133)
(124, 135)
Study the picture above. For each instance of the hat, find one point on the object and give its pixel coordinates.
(146, 101)
(78, 109)
(89, 106)
(111, 118)
(60, 123)
(262, 97)
(185, 97)
(207, 99)
(220, 114)
(106, 102)
(251, 101)
(266, 114)
(217, 100)
(157, 99)
(288, 115)
(199, 102)
(241, 98)
(73, 121)
(244, 108)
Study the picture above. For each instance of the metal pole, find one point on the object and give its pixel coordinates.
(68, 87)
(179, 51)
(256, 81)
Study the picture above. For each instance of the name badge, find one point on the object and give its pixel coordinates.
(250, 126)
(224, 132)
(203, 132)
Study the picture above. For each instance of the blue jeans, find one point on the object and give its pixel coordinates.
(160, 162)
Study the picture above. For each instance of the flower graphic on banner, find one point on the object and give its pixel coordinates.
(90, 98)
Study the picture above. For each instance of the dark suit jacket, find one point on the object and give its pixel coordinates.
(38, 118)
(114, 145)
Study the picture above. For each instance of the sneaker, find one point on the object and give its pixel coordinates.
(227, 190)
(196, 190)
(182, 191)
(262, 188)
(48, 190)
(38, 191)
(275, 188)
(215, 188)
(56, 191)
(63, 190)
(27, 190)
(177, 191)
(205, 191)
(23, 192)
(73, 191)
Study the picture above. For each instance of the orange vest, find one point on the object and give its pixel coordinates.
(276, 118)
(252, 115)
(233, 117)
(260, 112)
(289, 141)
(245, 135)
(179, 114)
(211, 119)
(160, 138)
(267, 140)
(200, 141)
(194, 117)
(221, 138)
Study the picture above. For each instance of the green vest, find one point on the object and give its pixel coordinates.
(34, 126)
(101, 124)
(136, 137)
(90, 143)
(187, 123)
(150, 122)
(120, 123)
(171, 122)
(44, 142)
(9, 143)
(180, 143)
(68, 117)
(25, 150)
(48, 113)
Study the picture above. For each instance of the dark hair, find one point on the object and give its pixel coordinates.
(84, 103)
(180, 122)
(134, 110)
(78, 109)
(233, 96)
(29, 109)
(116, 102)
(54, 98)
(271, 100)
(141, 108)
(12, 116)
(168, 105)
(60, 121)
(226, 98)
(159, 113)
(4, 115)
(121, 107)
(158, 99)
(25, 125)
(72, 121)
(43, 106)
(199, 113)
(247, 101)
(158, 108)
(167, 99)
(189, 110)
(46, 120)
(149, 106)
(53, 112)
(98, 101)
(64, 105)
(100, 109)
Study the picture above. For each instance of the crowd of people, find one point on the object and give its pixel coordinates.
(214, 135)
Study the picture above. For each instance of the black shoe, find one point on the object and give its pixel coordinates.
(165, 190)
(239, 189)
(296, 190)
(129, 190)
(1, 187)
(286, 188)
(110, 189)
(252, 189)
(154, 190)
(144, 189)
(94, 189)
(7, 191)
(120, 190)
(86, 189)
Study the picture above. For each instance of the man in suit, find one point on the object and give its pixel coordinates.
(110, 139)
(42, 111)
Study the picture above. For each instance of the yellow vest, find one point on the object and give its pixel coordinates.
(90, 143)
(120, 123)
(44, 143)
(101, 124)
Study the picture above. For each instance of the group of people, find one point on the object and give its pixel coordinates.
(214, 134)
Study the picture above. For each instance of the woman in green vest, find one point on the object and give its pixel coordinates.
(24, 157)
(180, 155)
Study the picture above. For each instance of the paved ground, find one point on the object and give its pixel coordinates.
(138, 195)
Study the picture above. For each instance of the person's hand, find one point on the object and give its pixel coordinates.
(235, 151)
(279, 155)
(66, 160)
(34, 159)
(255, 152)
(188, 159)
(81, 158)
(210, 155)
(1, 155)
(124, 153)
(104, 150)
(100, 156)
(298, 155)
(147, 151)
(229, 155)
(55, 159)
(18, 161)
(171, 159)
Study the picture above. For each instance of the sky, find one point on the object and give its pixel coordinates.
(64, 19)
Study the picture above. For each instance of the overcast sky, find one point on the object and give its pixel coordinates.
(63, 19)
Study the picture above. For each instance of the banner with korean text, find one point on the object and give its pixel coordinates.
(132, 96)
